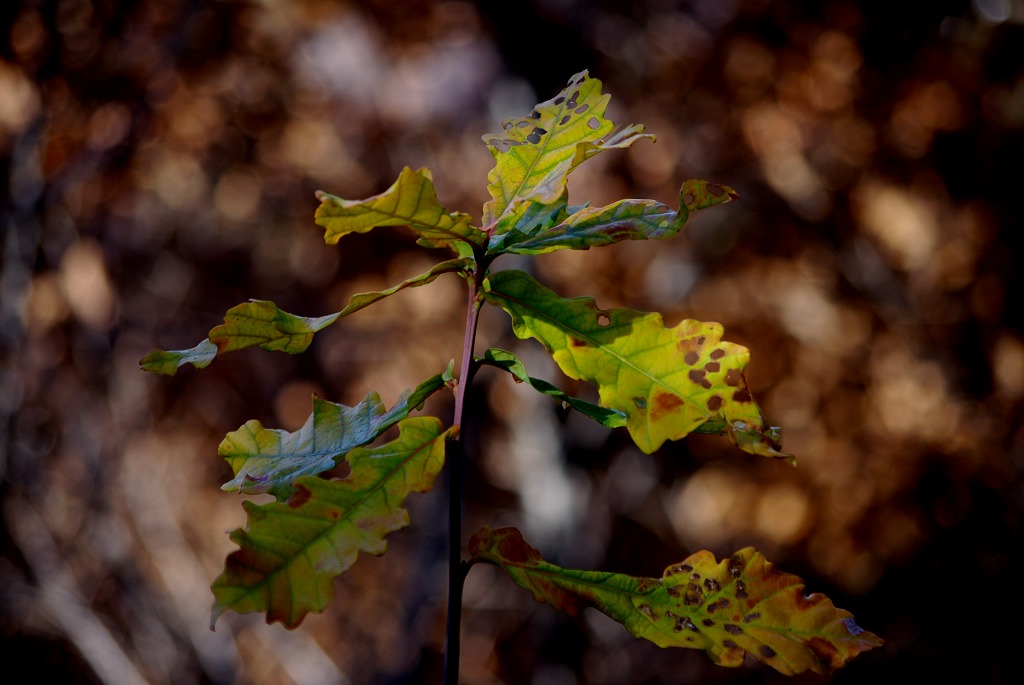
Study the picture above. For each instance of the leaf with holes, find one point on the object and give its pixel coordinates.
(667, 381)
(261, 323)
(732, 608)
(411, 201)
(290, 552)
(503, 359)
(269, 460)
(534, 154)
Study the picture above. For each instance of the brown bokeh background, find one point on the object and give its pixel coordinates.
(159, 160)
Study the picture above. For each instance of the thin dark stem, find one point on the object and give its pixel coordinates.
(457, 568)
(455, 576)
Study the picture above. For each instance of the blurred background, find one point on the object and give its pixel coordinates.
(159, 159)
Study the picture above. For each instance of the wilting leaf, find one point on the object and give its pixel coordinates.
(411, 201)
(732, 608)
(269, 460)
(509, 362)
(667, 381)
(291, 551)
(534, 154)
(261, 323)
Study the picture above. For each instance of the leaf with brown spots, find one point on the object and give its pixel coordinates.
(269, 460)
(737, 607)
(290, 552)
(668, 382)
(534, 154)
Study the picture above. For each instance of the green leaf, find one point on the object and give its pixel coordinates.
(623, 220)
(252, 323)
(166, 362)
(269, 460)
(261, 323)
(667, 381)
(534, 154)
(528, 219)
(290, 552)
(411, 201)
(599, 226)
(503, 359)
(734, 608)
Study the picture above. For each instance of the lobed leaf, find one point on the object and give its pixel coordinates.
(290, 552)
(509, 362)
(411, 201)
(668, 382)
(732, 608)
(534, 154)
(269, 460)
(261, 323)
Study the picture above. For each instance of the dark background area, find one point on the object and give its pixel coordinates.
(159, 160)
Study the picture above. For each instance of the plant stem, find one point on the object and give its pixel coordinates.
(457, 568)
(455, 576)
